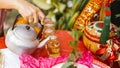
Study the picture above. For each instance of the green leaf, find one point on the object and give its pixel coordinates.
(73, 33)
(67, 64)
(56, 10)
(51, 15)
(78, 54)
(54, 1)
(72, 66)
(61, 7)
(74, 2)
(75, 43)
(72, 55)
(73, 52)
(71, 44)
(42, 4)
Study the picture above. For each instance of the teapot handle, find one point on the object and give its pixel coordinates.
(15, 21)
(40, 32)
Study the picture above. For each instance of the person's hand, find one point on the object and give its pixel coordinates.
(30, 12)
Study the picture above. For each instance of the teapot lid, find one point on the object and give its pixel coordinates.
(25, 31)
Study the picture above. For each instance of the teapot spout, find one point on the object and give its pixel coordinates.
(43, 42)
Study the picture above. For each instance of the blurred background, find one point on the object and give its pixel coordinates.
(53, 9)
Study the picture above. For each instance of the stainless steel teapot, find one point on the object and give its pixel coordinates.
(23, 39)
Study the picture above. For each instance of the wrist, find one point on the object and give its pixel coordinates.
(19, 4)
(16, 4)
(10, 4)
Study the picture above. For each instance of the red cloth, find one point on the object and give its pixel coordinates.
(64, 38)
(2, 42)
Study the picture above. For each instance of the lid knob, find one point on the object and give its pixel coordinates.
(27, 27)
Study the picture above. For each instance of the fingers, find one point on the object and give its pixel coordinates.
(31, 13)
(30, 19)
(41, 16)
(33, 16)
